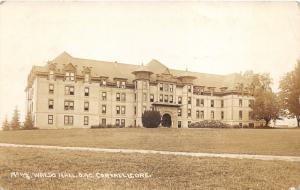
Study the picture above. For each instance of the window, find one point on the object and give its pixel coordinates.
(86, 77)
(118, 97)
(145, 84)
(240, 115)
(166, 98)
(166, 87)
(222, 103)
(212, 90)
(69, 90)
(202, 102)
(171, 98)
(161, 98)
(103, 121)
(123, 84)
(86, 91)
(222, 115)
(86, 120)
(201, 114)
(51, 75)
(51, 88)
(250, 115)
(171, 87)
(240, 102)
(212, 115)
(189, 88)
(69, 105)
(134, 110)
(117, 109)
(103, 82)
(68, 120)
(212, 103)
(151, 97)
(123, 97)
(197, 102)
(189, 100)
(179, 124)
(250, 103)
(86, 106)
(201, 91)
(197, 114)
(179, 112)
(123, 110)
(161, 88)
(145, 97)
(50, 119)
(104, 109)
(135, 97)
(118, 84)
(70, 76)
(117, 122)
(104, 96)
(50, 104)
(189, 112)
(123, 122)
(189, 123)
(179, 100)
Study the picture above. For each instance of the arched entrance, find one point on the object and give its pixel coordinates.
(166, 120)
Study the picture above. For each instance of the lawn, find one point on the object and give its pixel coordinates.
(167, 172)
(250, 141)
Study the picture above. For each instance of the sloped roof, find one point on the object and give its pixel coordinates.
(123, 70)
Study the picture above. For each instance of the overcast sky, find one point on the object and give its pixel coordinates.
(216, 37)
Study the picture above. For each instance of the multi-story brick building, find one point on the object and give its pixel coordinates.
(72, 92)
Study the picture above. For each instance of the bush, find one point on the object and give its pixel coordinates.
(101, 126)
(209, 124)
(151, 119)
(134, 126)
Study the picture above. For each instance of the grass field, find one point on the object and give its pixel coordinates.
(167, 172)
(250, 141)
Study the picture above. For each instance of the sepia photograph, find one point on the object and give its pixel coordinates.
(149, 95)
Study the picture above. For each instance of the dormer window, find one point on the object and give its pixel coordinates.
(201, 91)
(51, 75)
(118, 84)
(123, 84)
(70, 76)
(87, 77)
(103, 82)
(189, 87)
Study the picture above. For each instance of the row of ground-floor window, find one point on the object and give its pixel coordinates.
(69, 121)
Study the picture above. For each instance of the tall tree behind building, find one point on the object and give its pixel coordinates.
(290, 93)
(266, 105)
(15, 122)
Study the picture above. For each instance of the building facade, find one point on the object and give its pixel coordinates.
(71, 92)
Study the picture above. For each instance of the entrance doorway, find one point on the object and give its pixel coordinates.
(166, 120)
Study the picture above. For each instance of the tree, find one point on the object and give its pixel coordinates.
(290, 93)
(28, 124)
(266, 104)
(151, 119)
(5, 125)
(15, 122)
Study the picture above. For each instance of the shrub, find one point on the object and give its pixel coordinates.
(209, 124)
(101, 126)
(5, 125)
(151, 119)
(133, 126)
(28, 124)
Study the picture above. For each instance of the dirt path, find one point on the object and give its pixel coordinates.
(195, 154)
